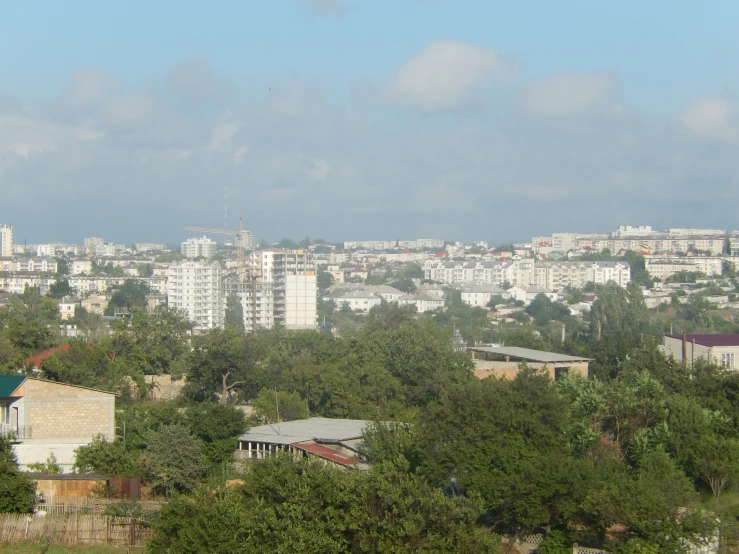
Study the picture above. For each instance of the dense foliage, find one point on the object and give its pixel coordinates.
(17, 490)
(307, 507)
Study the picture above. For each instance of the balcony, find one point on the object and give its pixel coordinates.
(16, 432)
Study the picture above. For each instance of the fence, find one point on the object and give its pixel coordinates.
(86, 529)
(584, 550)
(87, 506)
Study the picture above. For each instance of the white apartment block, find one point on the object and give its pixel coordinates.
(149, 246)
(108, 249)
(655, 243)
(479, 295)
(196, 288)
(92, 242)
(553, 276)
(362, 298)
(80, 266)
(17, 283)
(663, 267)
(300, 301)
(45, 250)
(418, 244)
(629, 231)
(198, 247)
(6, 239)
(697, 232)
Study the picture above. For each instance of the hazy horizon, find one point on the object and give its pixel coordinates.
(358, 120)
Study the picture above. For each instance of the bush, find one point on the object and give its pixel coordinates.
(17, 490)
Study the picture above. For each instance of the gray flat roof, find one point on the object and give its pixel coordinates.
(528, 354)
(301, 430)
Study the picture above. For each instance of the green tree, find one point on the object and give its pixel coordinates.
(404, 285)
(31, 322)
(717, 462)
(220, 363)
(59, 289)
(325, 280)
(235, 312)
(174, 460)
(50, 467)
(62, 267)
(17, 490)
(145, 270)
(132, 293)
(107, 458)
(274, 406)
(504, 441)
(216, 426)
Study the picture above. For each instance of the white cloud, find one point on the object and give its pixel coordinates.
(444, 75)
(196, 79)
(86, 89)
(710, 117)
(570, 95)
(304, 163)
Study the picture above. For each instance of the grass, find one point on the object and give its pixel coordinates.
(41, 548)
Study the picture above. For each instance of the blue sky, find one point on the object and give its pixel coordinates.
(366, 118)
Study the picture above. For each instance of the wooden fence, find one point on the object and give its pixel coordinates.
(87, 506)
(77, 529)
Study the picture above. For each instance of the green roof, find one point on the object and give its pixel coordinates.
(8, 384)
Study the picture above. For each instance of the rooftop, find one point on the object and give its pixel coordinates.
(303, 430)
(709, 340)
(528, 354)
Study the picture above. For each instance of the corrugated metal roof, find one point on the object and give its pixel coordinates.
(8, 384)
(708, 340)
(528, 354)
(302, 430)
(326, 453)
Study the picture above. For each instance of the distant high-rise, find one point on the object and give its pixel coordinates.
(197, 248)
(6, 239)
(196, 287)
(92, 242)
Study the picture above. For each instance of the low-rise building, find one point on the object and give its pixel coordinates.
(44, 417)
(335, 442)
(505, 362)
(722, 350)
(66, 307)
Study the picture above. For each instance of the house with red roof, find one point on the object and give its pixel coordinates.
(336, 442)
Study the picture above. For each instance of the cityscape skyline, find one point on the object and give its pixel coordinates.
(483, 122)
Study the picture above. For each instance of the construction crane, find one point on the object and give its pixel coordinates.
(244, 280)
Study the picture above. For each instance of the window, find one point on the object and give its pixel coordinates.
(727, 361)
(4, 413)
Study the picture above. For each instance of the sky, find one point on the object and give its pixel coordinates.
(366, 119)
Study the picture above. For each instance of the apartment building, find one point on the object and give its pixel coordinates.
(6, 239)
(418, 244)
(552, 276)
(80, 266)
(198, 248)
(92, 242)
(663, 267)
(284, 290)
(657, 242)
(196, 288)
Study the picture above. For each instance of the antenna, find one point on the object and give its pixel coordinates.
(225, 206)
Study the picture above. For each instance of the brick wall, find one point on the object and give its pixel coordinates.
(58, 411)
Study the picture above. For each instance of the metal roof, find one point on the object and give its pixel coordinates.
(528, 354)
(302, 430)
(8, 384)
(708, 340)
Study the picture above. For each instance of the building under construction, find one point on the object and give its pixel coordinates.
(275, 286)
